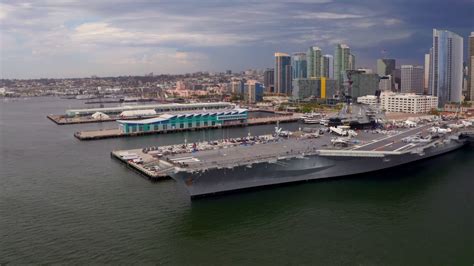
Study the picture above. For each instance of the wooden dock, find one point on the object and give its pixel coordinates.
(116, 133)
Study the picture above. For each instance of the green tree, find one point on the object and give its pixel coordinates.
(434, 111)
(306, 109)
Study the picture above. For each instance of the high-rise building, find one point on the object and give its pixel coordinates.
(282, 73)
(237, 86)
(366, 70)
(289, 79)
(304, 88)
(396, 79)
(430, 71)
(465, 72)
(253, 91)
(363, 83)
(269, 79)
(299, 65)
(446, 67)
(321, 88)
(314, 58)
(426, 74)
(343, 60)
(327, 67)
(385, 66)
(352, 61)
(412, 79)
(470, 62)
(386, 83)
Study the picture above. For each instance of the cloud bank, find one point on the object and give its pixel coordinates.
(73, 38)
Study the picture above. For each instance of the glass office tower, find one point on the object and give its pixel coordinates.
(282, 73)
(446, 67)
(299, 65)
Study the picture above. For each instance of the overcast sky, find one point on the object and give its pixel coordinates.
(68, 38)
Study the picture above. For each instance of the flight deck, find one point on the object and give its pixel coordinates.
(156, 162)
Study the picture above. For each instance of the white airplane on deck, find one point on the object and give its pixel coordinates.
(440, 130)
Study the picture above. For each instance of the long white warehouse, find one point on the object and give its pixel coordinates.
(159, 108)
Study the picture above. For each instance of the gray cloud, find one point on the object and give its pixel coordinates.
(77, 38)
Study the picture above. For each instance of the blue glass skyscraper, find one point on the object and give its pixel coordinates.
(446, 66)
(283, 73)
(299, 65)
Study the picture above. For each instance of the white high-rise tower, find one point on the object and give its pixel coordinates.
(446, 67)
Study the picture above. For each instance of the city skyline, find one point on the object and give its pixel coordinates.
(60, 39)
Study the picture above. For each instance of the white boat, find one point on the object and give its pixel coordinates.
(311, 115)
(311, 121)
(85, 97)
(129, 156)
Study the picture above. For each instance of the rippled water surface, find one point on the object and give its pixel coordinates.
(66, 201)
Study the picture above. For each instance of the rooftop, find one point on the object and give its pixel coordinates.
(281, 54)
(167, 116)
(406, 95)
(150, 106)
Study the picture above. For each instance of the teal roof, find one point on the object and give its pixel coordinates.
(165, 117)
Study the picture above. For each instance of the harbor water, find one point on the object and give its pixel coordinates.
(66, 201)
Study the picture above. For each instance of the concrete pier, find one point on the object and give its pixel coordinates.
(152, 174)
(63, 120)
(79, 116)
(117, 133)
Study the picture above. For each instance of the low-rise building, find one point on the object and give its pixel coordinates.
(159, 108)
(455, 107)
(276, 100)
(371, 100)
(182, 121)
(408, 102)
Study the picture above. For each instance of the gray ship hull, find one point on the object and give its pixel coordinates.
(296, 169)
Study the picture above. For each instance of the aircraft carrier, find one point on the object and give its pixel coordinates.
(283, 157)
